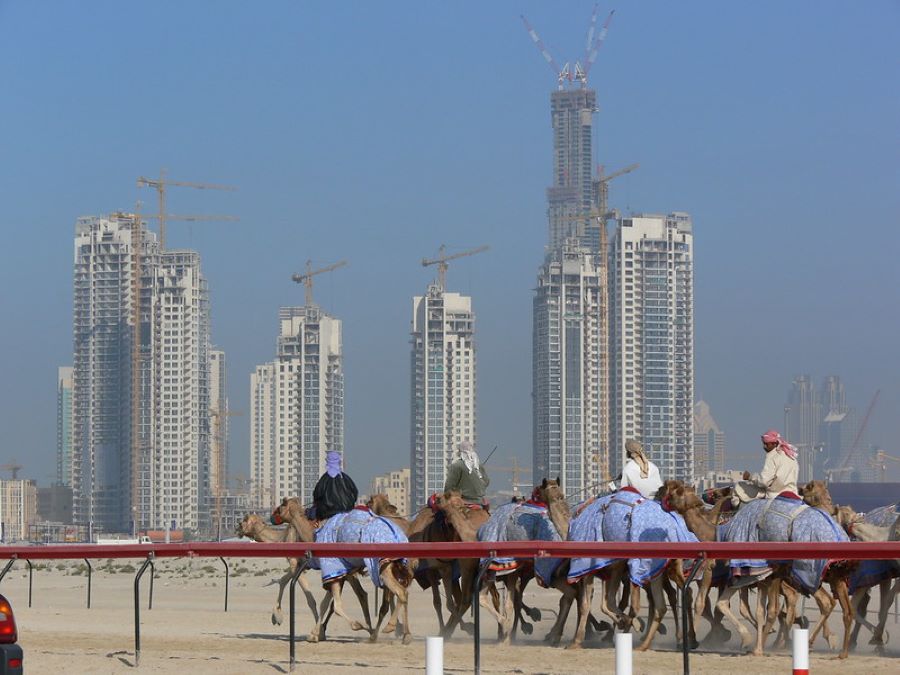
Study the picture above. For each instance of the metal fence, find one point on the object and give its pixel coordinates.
(482, 550)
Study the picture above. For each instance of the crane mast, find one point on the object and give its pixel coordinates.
(307, 278)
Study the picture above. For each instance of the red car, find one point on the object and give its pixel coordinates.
(10, 652)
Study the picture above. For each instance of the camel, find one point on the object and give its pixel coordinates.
(463, 522)
(254, 527)
(860, 530)
(394, 573)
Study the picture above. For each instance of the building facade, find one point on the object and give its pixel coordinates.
(18, 508)
(395, 485)
(65, 434)
(218, 433)
(443, 385)
(802, 422)
(574, 192)
(570, 371)
(709, 442)
(652, 339)
(297, 406)
(263, 410)
(140, 380)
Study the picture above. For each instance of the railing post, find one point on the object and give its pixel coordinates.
(137, 609)
(12, 559)
(152, 574)
(222, 558)
(476, 607)
(89, 570)
(685, 593)
(30, 572)
(301, 565)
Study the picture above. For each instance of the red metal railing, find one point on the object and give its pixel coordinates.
(519, 549)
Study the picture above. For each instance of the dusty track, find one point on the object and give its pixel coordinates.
(187, 631)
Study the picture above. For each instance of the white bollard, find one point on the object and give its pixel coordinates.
(623, 653)
(434, 656)
(800, 639)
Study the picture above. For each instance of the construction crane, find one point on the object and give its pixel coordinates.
(879, 462)
(515, 472)
(601, 213)
(220, 449)
(859, 433)
(579, 72)
(307, 277)
(442, 260)
(160, 184)
(13, 468)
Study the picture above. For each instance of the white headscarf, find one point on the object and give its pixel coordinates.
(469, 457)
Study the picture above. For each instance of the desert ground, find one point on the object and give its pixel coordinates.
(187, 630)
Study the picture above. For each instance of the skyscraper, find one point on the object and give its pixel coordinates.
(652, 340)
(709, 441)
(263, 411)
(569, 379)
(218, 434)
(141, 431)
(64, 430)
(442, 385)
(105, 279)
(803, 417)
(297, 405)
(574, 191)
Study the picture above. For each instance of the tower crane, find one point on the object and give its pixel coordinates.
(219, 478)
(580, 70)
(13, 468)
(515, 472)
(862, 429)
(160, 184)
(442, 260)
(307, 277)
(879, 462)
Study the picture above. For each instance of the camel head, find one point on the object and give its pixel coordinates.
(682, 498)
(380, 505)
(551, 491)
(449, 501)
(668, 487)
(249, 525)
(846, 516)
(290, 508)
(815, 493)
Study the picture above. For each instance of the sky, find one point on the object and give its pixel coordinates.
(375, 132)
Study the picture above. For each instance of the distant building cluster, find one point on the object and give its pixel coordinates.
(827, 432)
(395, 485)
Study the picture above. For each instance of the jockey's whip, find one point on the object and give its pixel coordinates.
(489, 456)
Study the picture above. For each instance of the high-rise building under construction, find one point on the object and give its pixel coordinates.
(443, 386)
(141, 400)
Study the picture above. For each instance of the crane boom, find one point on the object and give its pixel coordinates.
(594, 46)
(561, 73)
(307, 277)
(160, 184)
(861, 430)
(442, 260)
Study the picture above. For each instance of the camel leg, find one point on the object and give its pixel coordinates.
(584, 592)
(744, 604)
(772, 592)
(658, 611)
(363, 598)
(723, 605)
(568, 594)
(277, 613)
(511, 582)
(402, 594)
(437, 601)
(790, 595)
(762, 593)
(672, 596)
(888, 593)
(467, 578)
(843, 595)
(335, 588)
(860, 602)
(826, 605)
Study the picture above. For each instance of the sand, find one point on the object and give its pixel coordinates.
(187, 631)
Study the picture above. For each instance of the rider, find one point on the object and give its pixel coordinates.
(780, 470)
(639, 472)
(467, 474)
(335, 492)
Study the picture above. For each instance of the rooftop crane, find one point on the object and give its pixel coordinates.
(442, 260)
(580, 71)
(860, 431)
(307, 277)
(218, 478)
(13, 468)
(879, 462)
(160, 184)
(602, 212)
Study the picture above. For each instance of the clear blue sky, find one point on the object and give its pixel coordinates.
(376, 131)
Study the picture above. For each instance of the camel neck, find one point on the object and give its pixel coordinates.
(461, 524)
(699, 525)
(559, 516)
(302, 525)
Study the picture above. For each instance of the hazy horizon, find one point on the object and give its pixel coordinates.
(376, 133)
